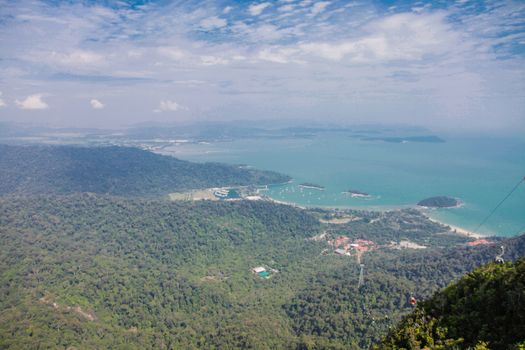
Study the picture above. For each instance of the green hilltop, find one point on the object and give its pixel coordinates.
(96, 271)
(483, 310)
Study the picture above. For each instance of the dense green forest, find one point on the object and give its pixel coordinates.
(114, 170)
(92, 257)
(485, 310)
(97, 271)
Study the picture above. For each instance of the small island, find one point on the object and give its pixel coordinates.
(357, 194)
(439, 202)
(311, 185)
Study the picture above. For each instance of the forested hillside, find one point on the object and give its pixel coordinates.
(93, 271)
(485, 309)
(114, 170)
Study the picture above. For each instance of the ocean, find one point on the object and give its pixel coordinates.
(478, 171)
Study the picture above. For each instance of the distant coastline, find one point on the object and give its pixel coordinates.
(392, 139)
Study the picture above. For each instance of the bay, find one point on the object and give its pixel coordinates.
(477, 171)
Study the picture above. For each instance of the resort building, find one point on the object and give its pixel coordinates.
(261, 272)
(258, 269)
(341, 251)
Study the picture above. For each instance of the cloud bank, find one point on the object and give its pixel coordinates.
(444, 65)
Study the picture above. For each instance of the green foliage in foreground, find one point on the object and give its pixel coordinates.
(100, 272)
(485, 309)
(115, 170)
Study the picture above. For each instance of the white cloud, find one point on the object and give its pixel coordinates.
(2, 103)
(213, 23)
(212, 60)
(265, 32)
(406, 36)
(135, 53)
(96, 104)
(318, 7)
(285, 8)
(77, 58)
(239, 58)
(256, 10)
(278, 55)
(172, 52)
(227, 10)
(32, 102)
(169, 106)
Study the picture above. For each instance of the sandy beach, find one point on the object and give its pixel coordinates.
(457, 230)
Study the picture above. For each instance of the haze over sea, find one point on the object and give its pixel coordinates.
(478, 171)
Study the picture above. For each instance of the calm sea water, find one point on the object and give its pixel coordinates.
(478, 171)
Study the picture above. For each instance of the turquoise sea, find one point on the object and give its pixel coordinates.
(478, 171)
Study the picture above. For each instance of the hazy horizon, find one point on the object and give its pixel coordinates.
(449, 66)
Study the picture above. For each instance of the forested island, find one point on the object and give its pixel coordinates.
(439, 202)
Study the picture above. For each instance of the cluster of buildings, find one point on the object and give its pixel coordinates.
(226, 193)
(481, 241)
(344, 245)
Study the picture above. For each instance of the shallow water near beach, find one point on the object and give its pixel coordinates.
(478, 171)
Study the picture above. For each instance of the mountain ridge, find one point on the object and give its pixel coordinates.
(115, 170)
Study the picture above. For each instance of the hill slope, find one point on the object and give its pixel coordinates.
(96, 271)
(114, 170)
(486, 308)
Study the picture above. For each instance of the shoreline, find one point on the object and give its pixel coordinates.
(456, 229)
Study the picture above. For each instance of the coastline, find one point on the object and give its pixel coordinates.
(453, 228)
(456, 229)
(295, 205)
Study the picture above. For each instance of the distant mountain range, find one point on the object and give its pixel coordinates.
(211, 132)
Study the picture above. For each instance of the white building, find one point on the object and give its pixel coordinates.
(258, 269)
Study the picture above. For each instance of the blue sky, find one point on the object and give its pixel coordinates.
(447, 65)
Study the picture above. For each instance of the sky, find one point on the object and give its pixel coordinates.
(445, 65)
